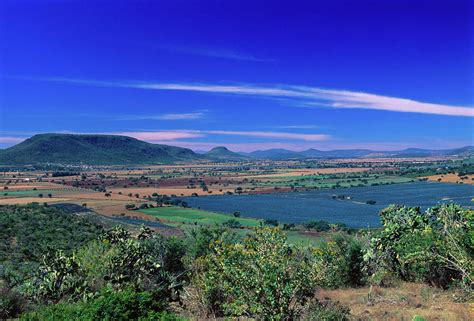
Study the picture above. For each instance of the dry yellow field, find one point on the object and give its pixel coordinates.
(451, 178)
(178, 190)
(26, 200)
(315, 171)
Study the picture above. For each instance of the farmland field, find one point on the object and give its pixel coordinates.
(177, 215)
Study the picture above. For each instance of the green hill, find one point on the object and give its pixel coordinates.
(92, 150)
(222, 153)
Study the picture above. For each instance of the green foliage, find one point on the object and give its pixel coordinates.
(262, 277)
(117, 261)
(232, 223)
(109, 305)
(199, 240)
(435, 246)
(338, 263)
(28, 232)
(11, 303)
(319, 226)
(270, 222)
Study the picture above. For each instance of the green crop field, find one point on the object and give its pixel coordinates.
(174, 214)
(328, 181)
(31, 192)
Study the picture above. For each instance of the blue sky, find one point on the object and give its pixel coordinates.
(245, 74)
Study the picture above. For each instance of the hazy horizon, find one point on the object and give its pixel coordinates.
(229, 146)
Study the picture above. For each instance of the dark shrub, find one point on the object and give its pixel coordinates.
(125, 305)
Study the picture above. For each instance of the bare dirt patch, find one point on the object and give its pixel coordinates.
(401, 303)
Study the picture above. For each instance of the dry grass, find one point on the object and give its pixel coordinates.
(299, 172)
(176, 190)
(401, 303)
(451, 178)
(26, 200)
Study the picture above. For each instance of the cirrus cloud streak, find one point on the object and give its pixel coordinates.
(171, 135)
(313, 97)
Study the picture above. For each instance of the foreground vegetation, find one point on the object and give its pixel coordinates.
(76, 270)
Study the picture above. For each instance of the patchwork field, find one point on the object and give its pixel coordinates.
(179, 215)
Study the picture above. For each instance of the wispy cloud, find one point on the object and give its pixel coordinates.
(316, 97)
(171, 135)
(295, 126)
(300, 146)
(311, 97)
(11, 139)
(215, 52)
(281, 135)
(171, 116)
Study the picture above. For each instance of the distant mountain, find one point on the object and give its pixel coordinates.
(463, 151)
(339, 153)
(92, 150)
(222, 153)
(276, 154)
(282, 154)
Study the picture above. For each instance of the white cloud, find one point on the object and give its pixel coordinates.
(10, 139)
(171, 135)
(171, 116)
(313, 97)
(162, 135)
(295, 126)
(324, 97)
(215, 52)
(300, 146)
(307, 137)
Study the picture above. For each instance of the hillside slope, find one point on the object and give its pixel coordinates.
(222, 153)
(92, 150)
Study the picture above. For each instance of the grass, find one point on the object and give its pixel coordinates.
(179, 215)
(30, 192)
(295, 237)
(176, 216)
(330, 181)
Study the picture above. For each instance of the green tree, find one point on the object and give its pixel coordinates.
(263, 277)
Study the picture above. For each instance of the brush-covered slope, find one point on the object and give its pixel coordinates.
(222, 153)
(92, 150)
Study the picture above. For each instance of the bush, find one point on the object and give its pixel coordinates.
(198, 241)
(338, 263)
(117, 261)
(318, 226)
(125, 305)
(262, 277)
(232, 223)
(11, 303)
(270, 222)
(434, 246)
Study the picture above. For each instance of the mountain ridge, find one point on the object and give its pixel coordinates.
(92, 149)
(98, 149)
(280, 154)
